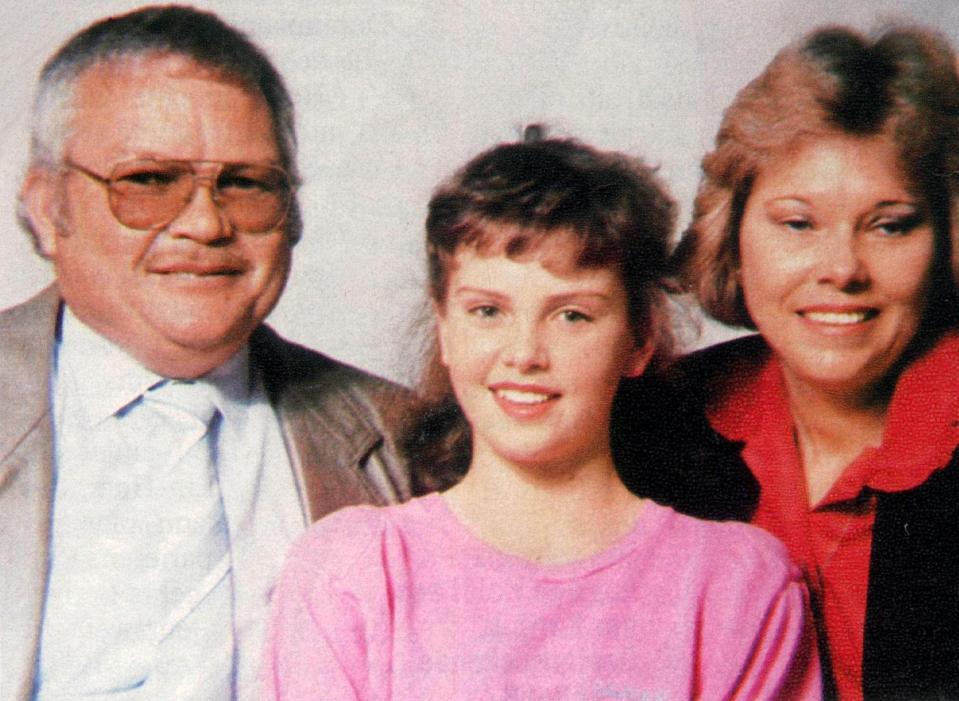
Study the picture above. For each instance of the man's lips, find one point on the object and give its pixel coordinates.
(196, 269)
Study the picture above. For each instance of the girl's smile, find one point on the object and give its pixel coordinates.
(536, 347)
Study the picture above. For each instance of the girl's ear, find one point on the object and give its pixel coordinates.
(638, 359)
(439, 321)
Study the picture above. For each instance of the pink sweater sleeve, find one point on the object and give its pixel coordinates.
(763, 621)
(784, 663)
(315, 644)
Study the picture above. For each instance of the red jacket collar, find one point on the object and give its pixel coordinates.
(922, 425)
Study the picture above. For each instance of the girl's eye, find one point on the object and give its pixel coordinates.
(484, 311)
(574, 316)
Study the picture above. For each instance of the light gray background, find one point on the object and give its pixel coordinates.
(392, 96)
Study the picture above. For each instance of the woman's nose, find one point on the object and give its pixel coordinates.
(840, 260)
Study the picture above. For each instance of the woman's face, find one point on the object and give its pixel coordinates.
(836, 255)
(535, 349)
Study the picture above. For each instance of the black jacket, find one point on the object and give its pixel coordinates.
(911, 648)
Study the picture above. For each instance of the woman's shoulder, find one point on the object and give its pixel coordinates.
(718, 367)
(664, 444)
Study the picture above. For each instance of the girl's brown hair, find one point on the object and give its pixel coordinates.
(512, 197)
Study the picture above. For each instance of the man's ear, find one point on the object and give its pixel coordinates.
(40, 209)
(639, 358)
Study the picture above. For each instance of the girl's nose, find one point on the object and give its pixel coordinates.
(525, 349)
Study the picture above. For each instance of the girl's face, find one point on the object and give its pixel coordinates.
(836, 254)
(535, 349)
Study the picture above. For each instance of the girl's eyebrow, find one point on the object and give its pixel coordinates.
(560, 298)
(470, 290)
(566, 297)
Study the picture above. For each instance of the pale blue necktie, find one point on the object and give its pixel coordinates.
(195, 647)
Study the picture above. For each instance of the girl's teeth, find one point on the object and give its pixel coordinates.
(520, 397)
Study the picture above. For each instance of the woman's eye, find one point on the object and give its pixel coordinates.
(797, 224)
(897, 226)
(891, 228)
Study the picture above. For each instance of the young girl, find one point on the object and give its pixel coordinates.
(538, 575)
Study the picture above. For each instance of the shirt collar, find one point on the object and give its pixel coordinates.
(232, 385)
(100, 378)
(103, 379)
(922, 423)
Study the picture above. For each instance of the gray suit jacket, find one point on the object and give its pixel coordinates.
(337, 423)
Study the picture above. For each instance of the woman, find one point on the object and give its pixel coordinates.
(823, 222)
(538, 575)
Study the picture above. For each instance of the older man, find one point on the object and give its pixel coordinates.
(160, 447)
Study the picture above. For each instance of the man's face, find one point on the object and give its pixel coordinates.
(184, 297)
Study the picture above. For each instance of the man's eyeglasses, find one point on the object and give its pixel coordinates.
(148, 194)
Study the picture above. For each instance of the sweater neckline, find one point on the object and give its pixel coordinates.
(456, 535)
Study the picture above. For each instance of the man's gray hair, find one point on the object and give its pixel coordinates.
(171, 30)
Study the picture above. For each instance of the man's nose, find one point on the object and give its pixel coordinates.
(202, 218)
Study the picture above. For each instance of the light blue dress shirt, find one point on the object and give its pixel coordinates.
(102, 614)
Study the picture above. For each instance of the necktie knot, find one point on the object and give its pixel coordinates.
(190, 396)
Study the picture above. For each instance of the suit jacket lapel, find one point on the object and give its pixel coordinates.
(323, 424)
(26, 484)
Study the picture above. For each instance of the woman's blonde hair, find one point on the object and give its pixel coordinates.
(901, 84)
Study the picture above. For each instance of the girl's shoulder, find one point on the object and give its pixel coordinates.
(729, 548)
(352, 536)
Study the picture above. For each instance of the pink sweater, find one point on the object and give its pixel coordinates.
(404, 603)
